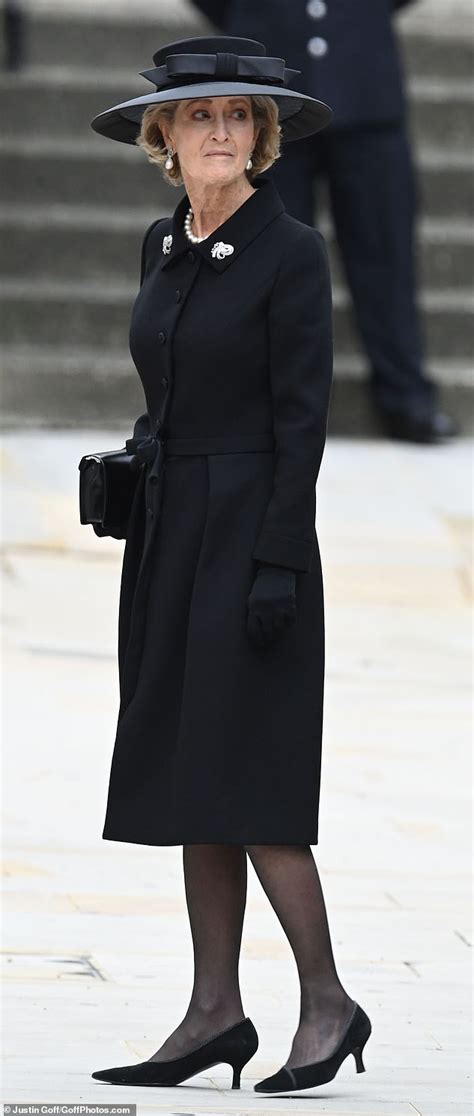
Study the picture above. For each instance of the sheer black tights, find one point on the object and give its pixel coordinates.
(290, 878)
(215, 878)
(216, 888)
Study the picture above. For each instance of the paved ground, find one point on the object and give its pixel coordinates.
(97, 947)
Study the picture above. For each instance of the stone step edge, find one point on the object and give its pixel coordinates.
(437, 230)
(107, 11)
(34, 147)
(94, 291)
(44, 360)
(91, 79)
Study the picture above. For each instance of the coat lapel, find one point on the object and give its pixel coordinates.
(225, 244)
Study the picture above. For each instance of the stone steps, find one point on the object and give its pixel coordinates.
(73, 209)
(71, 311)
(94, 243)
(71, 386)
(62, 102)
(114, 174)
(128, 43)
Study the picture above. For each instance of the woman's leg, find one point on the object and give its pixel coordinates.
(216, 890)
(290, 878)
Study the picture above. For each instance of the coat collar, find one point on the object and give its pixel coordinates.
(236, 233)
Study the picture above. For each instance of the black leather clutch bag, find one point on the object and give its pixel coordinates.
(107, 483)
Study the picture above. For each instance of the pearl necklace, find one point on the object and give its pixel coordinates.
(187, 228)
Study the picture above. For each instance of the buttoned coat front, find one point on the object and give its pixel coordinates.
(219, 740)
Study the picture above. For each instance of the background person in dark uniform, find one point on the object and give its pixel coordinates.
(348, 58)
(13, 25)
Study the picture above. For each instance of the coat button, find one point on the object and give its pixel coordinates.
(177, 295)
(191, 256)
(158, 424)
(162, 336)
(316, 9)
(317, 47)
(164, 380)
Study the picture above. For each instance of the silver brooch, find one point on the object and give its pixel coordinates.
(220, 250)
(167, 242)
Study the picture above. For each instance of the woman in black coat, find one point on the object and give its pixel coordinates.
(221, 626)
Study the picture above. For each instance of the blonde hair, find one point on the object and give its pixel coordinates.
(267, 144)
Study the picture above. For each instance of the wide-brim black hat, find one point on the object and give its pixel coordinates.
(217, 66)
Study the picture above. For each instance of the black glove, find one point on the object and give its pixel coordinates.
(271, 604)
(110, 533)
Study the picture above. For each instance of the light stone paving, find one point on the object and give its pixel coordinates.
(97, 948)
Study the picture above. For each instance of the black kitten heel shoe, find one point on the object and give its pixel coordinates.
(288, 1080)
(235, 1045)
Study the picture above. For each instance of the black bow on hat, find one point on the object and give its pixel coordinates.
(221, 66)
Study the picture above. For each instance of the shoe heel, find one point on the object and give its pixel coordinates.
(238, 1067)
(242, 1054)
(357, 1052)
(236, 1078)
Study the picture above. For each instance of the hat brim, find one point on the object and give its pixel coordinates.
(299, 114)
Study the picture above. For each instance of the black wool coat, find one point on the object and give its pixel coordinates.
(219, 740)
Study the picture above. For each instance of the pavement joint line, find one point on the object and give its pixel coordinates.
(54, 550)
(68, 653)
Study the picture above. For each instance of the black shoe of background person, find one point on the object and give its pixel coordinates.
(418, 424)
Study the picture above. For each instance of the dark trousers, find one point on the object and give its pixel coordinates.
(373, 198)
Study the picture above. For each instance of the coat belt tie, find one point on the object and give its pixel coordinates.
(148, 450)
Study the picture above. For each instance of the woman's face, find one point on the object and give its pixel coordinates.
(213, 136)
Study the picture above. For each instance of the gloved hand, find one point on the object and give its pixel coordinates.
(271, 604)
(110, 533)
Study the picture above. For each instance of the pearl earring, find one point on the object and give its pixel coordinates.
(169, 161)
(249, 164)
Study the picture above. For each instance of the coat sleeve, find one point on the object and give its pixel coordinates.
(301, 368)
